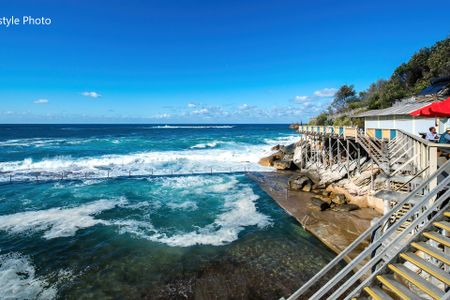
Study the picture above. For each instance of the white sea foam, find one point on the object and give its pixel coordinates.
(205, 145)
(57, 222)
(186, 205)
(18, 279)
(240, 212)
(236, 158)
(192, 127)
(186, 182)
(198, 184)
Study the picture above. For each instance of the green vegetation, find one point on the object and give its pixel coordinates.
(408, 79)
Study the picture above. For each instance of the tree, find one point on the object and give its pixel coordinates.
(345, 95)
(407, 80)
(320, 120)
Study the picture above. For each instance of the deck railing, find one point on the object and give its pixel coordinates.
(376, 253)
(344, 131)
(403, 149)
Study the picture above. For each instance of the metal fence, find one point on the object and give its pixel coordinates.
(41, 177)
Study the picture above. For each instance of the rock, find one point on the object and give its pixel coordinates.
(266, 161)
(312, 175)
(339, 199)
(316, 202)
(307, 187)
(288, 157)
(324, 199)
(282, 164)
(276, 148)
(294, 126)
(345, 207)
(269, 160)
(297, 182)
(277, 155)
(326, 193)
(289, 149)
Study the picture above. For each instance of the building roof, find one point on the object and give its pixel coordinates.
(396, 110)
(437, 90)
(437, 86)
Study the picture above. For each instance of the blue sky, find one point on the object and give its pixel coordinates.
(184, 61)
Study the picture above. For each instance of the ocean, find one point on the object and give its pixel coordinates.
(145, 212)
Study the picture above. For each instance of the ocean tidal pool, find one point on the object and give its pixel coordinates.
(162, 237)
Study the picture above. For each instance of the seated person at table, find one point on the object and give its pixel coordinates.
(445, 137)
(432, 134)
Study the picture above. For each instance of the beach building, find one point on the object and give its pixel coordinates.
(382, 123)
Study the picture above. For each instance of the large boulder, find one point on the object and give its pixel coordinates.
(312, 175)
(266, 161)
(345, 207)
(317, 203)
(339, 199)
(289, 149)
(269, 160)
(297, 182)
(299, 154)
(307, 187)
(276, 147)
(283, 164)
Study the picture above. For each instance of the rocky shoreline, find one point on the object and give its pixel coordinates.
(335, 228)
(332, 206)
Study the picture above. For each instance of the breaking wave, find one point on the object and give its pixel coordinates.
(18, 279)
(240, 212)
(205, 145)
(57, 222)
(238, 158)
(192, 127)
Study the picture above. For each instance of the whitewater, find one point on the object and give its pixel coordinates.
(146, 235)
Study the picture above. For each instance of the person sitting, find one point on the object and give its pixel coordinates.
(445, 137)
(432, 135)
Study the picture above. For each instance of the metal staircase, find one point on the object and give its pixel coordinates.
(406, 276)
(407, 259)
(375, 150)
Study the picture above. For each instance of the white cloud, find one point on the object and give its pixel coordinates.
(191, 105)
(301, 99)
(40, 101)
(163, 116)
(202, 111)
(91, 94)
(326, 92)
(245, 106)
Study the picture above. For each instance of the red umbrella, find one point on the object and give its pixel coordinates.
(442, 108)
(435, 109)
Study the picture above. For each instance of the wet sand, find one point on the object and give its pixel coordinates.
(335, 229)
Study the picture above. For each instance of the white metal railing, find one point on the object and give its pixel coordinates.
(408, 235)
(12, 177)
(419, 210)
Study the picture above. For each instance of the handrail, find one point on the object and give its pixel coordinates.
(368, 233)
(373, 246)
(414, 177)
(414, 224)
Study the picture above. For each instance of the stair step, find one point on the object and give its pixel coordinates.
(397, 288)
(437, 237)
(428, 267)
(443, 225)
(447, 214)
(418, 281)
(432, 251)
(377, 293)
(404, 225)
